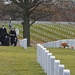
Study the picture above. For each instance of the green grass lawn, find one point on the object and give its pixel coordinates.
(18, 61)
(66, 57)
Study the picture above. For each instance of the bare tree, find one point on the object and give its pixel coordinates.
(33, 10)
(66, 12)
(28, 12)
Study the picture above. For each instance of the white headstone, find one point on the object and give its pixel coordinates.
(66, 72)
(52, 59)
(61, 68)
(56, 67)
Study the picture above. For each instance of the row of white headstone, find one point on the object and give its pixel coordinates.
(65, 28)
(48, 22)
(23, 43)
(61, 27)
(52, 35)
(69, 35)
(44, 33)
(49, 64)
(57, 44)
(54, 31)
(40, 37)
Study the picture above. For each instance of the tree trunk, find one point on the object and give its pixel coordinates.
(26, 29)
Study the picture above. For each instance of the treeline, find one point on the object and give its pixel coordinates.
(58, 11)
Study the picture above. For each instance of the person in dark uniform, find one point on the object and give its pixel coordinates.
(3, 32)
(13, 37)
(15, 41)
(7, 39)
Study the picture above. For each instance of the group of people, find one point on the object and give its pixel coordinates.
(8, 39)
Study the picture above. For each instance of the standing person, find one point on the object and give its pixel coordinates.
(3, 32)
(7, 39)
(10, 24)
(13, 36)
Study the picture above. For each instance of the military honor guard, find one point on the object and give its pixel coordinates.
(13, 37)
(3, 32)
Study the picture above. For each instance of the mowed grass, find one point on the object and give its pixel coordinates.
(18, 61)
(66, 57)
